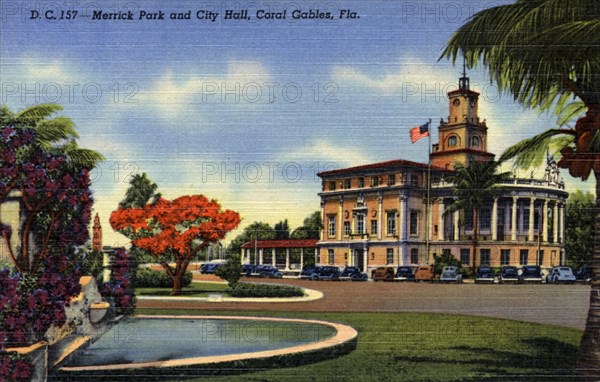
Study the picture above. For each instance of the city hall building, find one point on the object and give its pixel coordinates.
(376, 215)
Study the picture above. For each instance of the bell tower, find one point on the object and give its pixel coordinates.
(97, 235)
(463, 137)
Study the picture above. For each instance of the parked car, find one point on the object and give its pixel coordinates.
(561, 275)
(329, 273)
(308, 272)
(509, 274)
(584, 274)
(383, 274)
(268, 271)
(210, 268)
(531, 274)
(359, 276)
(247, 269)
(425, 273)
(349, 272)
(485, 274)
(404, 274)
(451, 274)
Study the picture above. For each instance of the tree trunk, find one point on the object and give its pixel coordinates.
(588, 357)
(176, 291)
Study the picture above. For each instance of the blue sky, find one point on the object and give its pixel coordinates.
(246, 112)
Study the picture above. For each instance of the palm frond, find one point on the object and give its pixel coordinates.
(80, 156)
(37, 112)
(570, 112)
(55, 130)
(531, 152)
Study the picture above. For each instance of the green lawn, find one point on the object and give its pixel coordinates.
(427, 347)
(195, 289)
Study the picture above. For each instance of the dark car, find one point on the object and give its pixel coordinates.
(509, 274)
(584, 274)
(404, 274)
(327, 273)
(359, 276)
(268, 271)
(383, 274)
(484, 274)
(247, 269)
(348, 272)
(308, 272)
(531, 274)
(210, 268)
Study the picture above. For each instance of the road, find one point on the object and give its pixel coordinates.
(563, 305)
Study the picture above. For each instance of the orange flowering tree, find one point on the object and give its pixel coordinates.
(176, 229)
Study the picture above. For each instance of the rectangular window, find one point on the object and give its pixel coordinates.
(361, 182)
(504, 256)
(391, 223)
(484, 256)
(347, 184)
(390, 256)
(414, 256)
(347, 229)
(331, 226)
(486, 219)
(332, 186)
(523, 257)
(446, 252)
(374, 227)
(465, 256)
(360, 223)
(391, 180)
(525, 219)
(414, 180)
(331, 256)
(540, 257)
(414, 222)
(374, 181)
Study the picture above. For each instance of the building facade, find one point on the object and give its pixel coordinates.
(386, 214)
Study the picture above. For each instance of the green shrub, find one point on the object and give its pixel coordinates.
(149, 278)
(231, 271)
(265, 290)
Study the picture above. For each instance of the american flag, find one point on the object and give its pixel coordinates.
(419, 132)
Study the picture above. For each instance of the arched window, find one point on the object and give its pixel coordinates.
(475, 141)
(452, 141)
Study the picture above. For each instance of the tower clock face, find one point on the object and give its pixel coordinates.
(456, 102)
(472, 103)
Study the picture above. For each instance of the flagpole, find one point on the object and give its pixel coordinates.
(427, 207)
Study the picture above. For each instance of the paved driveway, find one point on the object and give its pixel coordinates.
(564, 305)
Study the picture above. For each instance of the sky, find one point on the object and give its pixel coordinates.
(246, 111)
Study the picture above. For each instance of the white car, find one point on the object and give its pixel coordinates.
(561, 275)
(451, 273)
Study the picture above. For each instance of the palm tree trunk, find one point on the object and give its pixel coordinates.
(475, 237)
(588, 358)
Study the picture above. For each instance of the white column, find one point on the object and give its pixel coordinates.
(555, 223)
(430, 221)
(322, 234)
(513, 220)
(287, 259)
(365, 258)
(380, 221)
(562, 223)
(456, 226)
(273, 256)
(340, 219)
(531, 215)
(301, 258)
(260, 256)
(441, 208)
(495, 220)
(545, 221)
(403, 217)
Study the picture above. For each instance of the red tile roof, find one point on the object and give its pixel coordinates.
(290, 243)
(381, 166)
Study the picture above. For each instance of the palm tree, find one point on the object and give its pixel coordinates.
(56, 135)
(546, 53)
(475, 185)
(141, 191)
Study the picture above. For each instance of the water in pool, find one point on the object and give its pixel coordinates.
(148, 339)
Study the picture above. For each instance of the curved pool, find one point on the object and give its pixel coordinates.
(168, 341)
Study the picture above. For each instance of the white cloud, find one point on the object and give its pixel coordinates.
(325, 152)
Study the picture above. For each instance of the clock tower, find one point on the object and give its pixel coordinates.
(463, 137)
